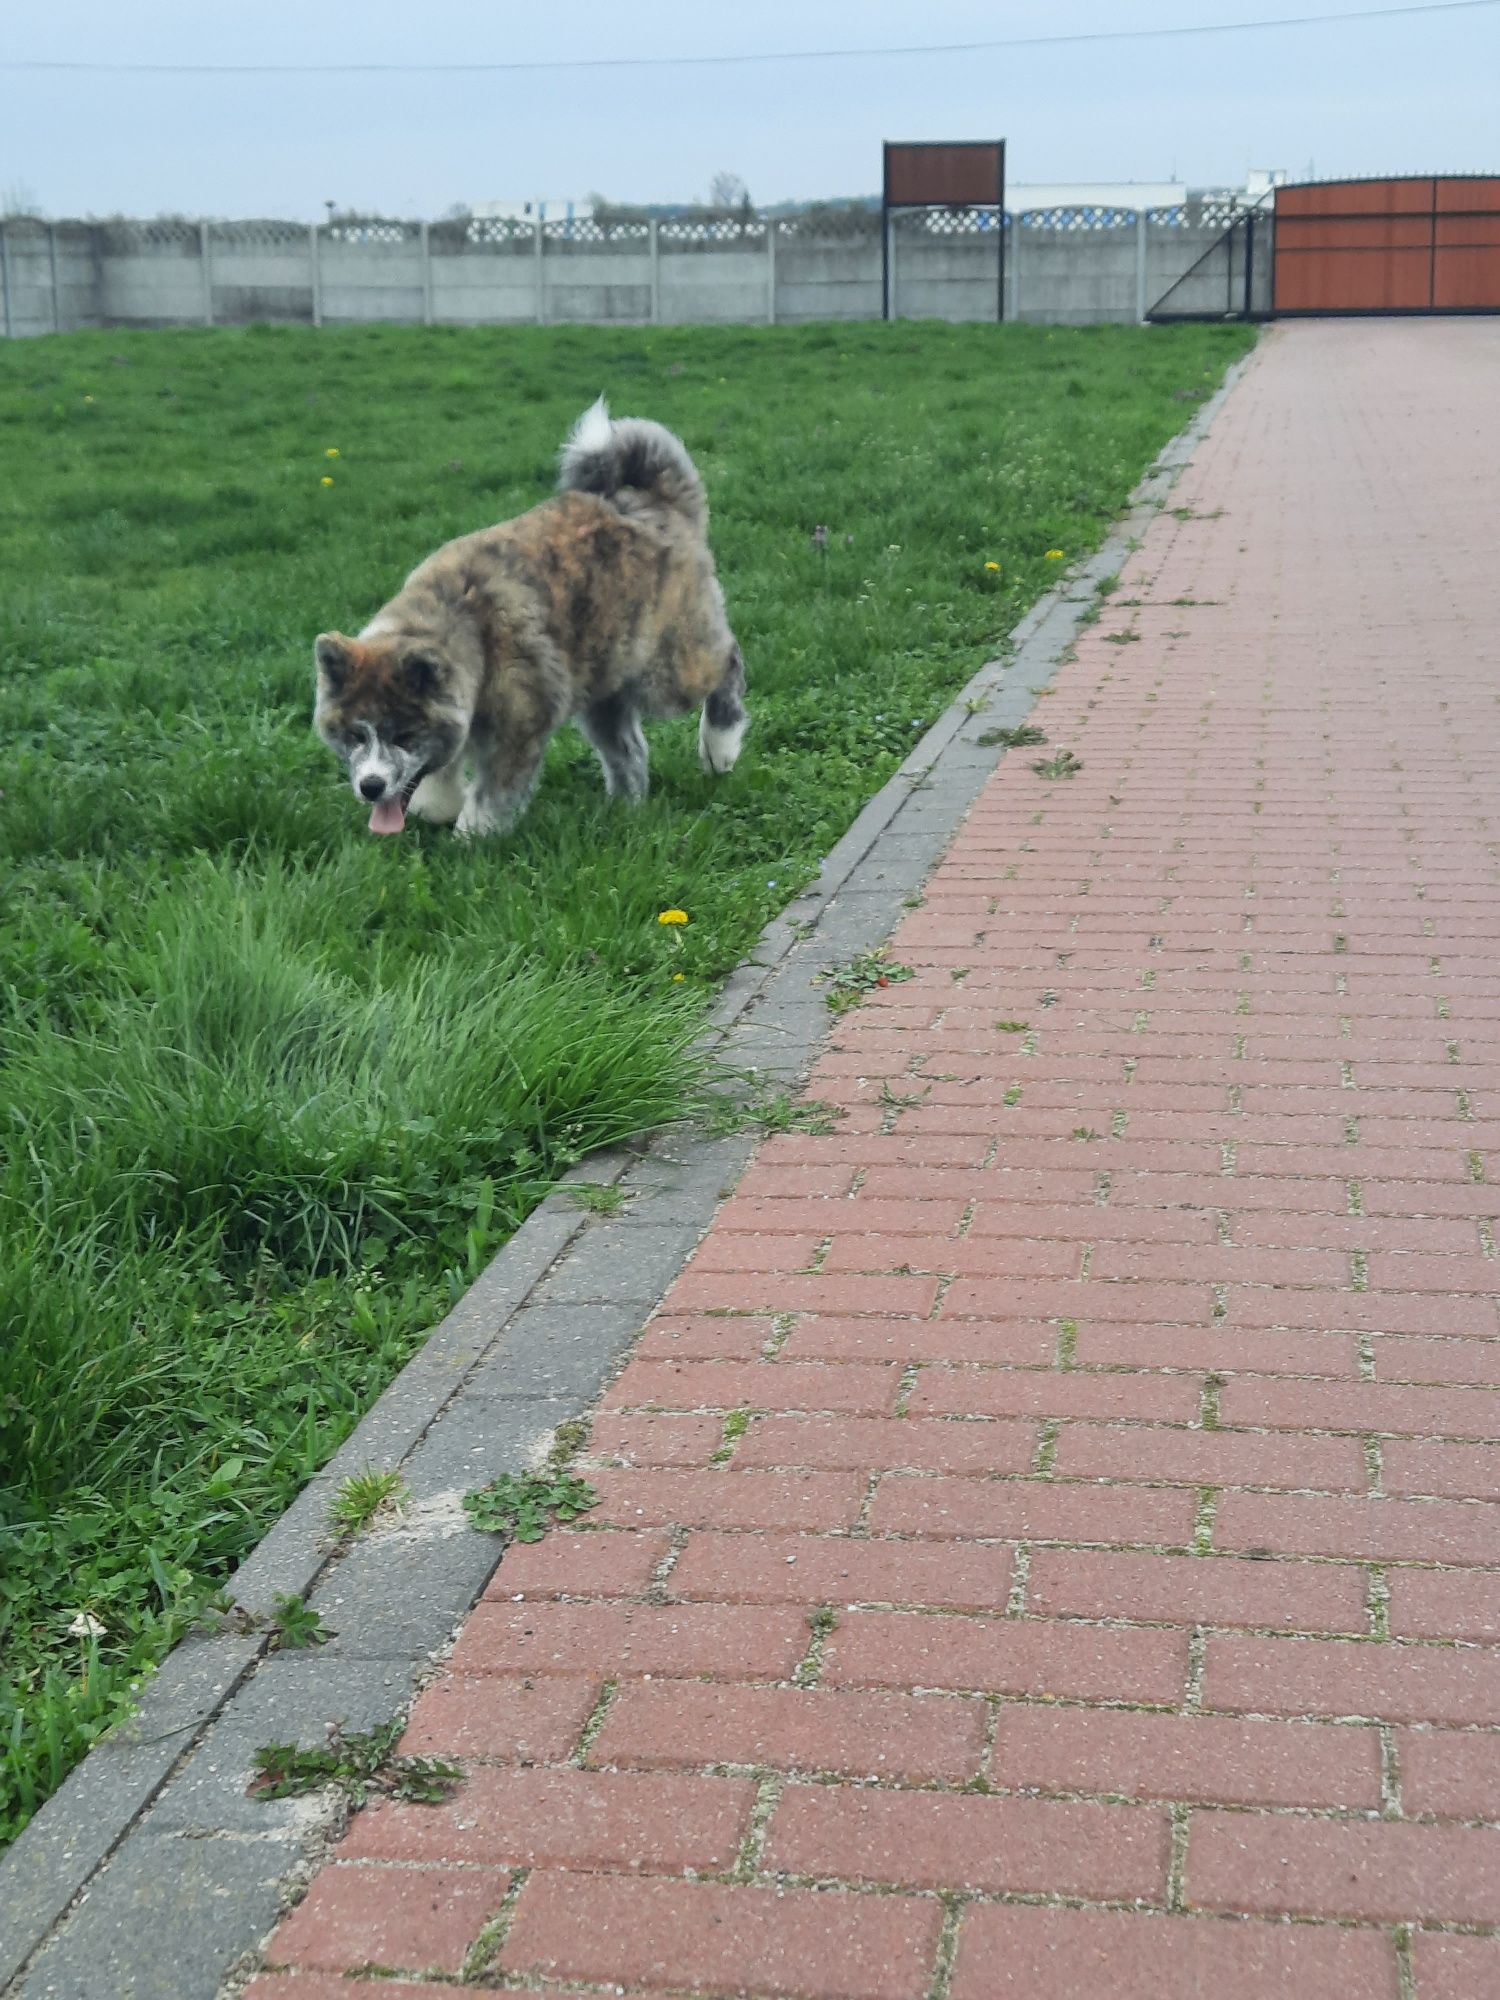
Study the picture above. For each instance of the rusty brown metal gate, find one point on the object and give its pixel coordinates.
(1429, 244)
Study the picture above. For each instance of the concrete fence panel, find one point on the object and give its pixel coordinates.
(1063, 267)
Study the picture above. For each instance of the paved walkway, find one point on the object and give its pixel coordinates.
(1109, 1567)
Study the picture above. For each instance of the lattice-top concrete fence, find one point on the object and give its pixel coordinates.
(1063, 266)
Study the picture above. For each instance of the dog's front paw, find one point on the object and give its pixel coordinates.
(438, 799)
(475, 821)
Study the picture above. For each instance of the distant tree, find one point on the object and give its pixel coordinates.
(728, 194)
(19, 202)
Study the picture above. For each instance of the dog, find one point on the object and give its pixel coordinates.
(600, 605)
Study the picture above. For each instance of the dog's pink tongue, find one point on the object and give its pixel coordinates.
(388, 817)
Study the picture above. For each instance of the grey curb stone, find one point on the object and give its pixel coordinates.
(149, 1873)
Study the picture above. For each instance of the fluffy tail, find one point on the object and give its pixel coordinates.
(632, 462)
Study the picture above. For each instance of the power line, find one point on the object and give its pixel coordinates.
(742, 60)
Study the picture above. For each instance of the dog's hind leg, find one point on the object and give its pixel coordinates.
(613, 726)
(722, 728)
(440, 796)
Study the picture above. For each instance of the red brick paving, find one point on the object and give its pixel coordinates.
(1109, 1569)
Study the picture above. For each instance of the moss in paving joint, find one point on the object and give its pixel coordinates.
(861, 1528)
(809, 1669)
(747, 1862)
(1465, 1107)
(1378, 1602)
(736, 1423)
(594, 1724)
(1365, 1357)
(1203, 1520)
(1355, 1197)
(1359, 1271)
(1015, 1603)
(1476, 1168)
(1227, 1157)
(782, 1328)
(1223, 1227)
(1390, 1774)
(1444, 1011)
(947, 1947)
(568, 1440)
(1117, 1124)
(1177, 1865)
(1208, 1412)
(1086, 1264)
(486, 1948)
(1220, 1296)
(1486, 1237)
(1406, 1977)
(1046, 1448)
(905, 1386)
(1103, 1185)
(1067, 1343)
(819, 1256)
(1451, 1050)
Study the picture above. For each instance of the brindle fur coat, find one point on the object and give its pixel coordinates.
(600, 605)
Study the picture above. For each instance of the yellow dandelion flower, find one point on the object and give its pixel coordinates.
(1054, 555)
(673, 917)
(332, 451)
(678, 975)
(88, 399)
(992, 565)
(325, 480)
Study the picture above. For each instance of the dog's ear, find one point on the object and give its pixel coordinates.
(423, 672)
(332, 653)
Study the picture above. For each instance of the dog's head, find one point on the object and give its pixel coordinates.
(388, 708)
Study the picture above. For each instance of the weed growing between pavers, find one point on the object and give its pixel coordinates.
(1020, 737)
(522, 1508)
(358, 1764)
(363, 1497)
(273, 1092)
(848, 984)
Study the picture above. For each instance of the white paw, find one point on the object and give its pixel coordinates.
(439, 799)
(475, 821)
(719, 749)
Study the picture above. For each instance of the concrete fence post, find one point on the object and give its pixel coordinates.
(1015, 265)
(541, 274)
(315, 271)
(771, 270)
(7, 282)
(425, 240)
(1140, 264)
(206, 271)
(889, 302)
(56, 287)
(653, 251)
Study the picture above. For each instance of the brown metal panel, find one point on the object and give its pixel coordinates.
(1469, 195)
(1393, 197)
(1466, 280)
(1354, 232)
(938, 174)
(1352, 280)
(1459, 232)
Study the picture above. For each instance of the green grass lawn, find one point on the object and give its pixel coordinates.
(270, 1090)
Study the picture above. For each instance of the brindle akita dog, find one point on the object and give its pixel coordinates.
(601, 605)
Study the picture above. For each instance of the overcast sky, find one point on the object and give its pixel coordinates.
(1401, 95)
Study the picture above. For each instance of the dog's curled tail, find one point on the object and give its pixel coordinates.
(630, 461)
